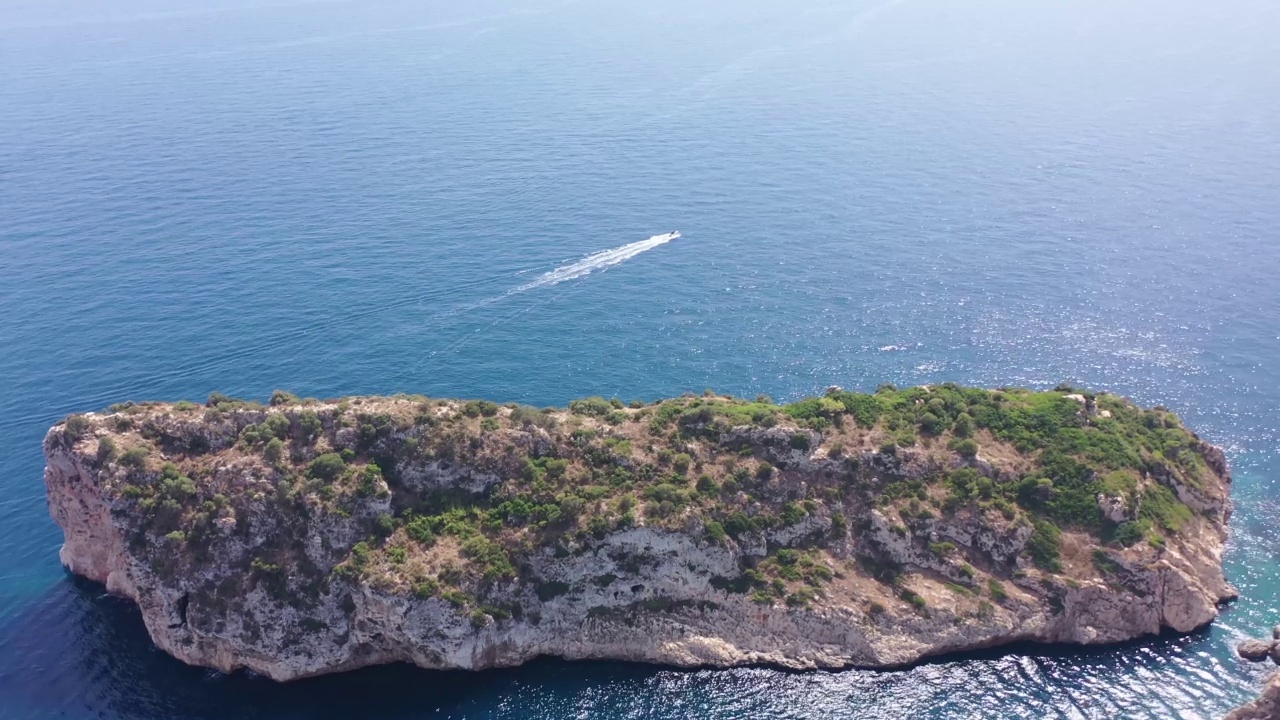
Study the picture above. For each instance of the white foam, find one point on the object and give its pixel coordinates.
(596, 261)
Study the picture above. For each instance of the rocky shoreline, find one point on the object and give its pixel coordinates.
(306, 537)
(1267, 706)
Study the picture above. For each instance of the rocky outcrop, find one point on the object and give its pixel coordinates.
(1256, 650)
(312, 537)
(1266, 707)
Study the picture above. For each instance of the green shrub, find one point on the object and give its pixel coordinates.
(792, 513)
(839, 525)
(456, 598)
(426, 589)
(681, 462)
(274, 450)
(501, 612)
(280, 397)
(477, 408)
(76, 426)
(801, 597)
(479, 618)
(276, 425)
(419, 529)
(592, 406)
(715, 531)
(385, 525)
(217, 398)
(525, 415)
(965, 448)
(598, 526)
(1118, 483)
(942, 549)
(1045, 546)
(932, 424)
(998, 593)
(328, 467)
(1162, 507)
(1128, 533)
(309, 426)
(491, 558)
(571, 506)
(360, 554)
(668, 492)
(136, 457)
(107, 451)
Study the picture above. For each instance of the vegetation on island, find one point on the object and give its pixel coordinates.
(731, 471)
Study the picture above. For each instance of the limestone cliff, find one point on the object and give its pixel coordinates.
(308, 537)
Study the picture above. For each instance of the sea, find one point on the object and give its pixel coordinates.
(475, 199)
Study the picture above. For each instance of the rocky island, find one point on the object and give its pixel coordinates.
(303, 537)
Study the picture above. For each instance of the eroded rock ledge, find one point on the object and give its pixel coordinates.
(306, 537)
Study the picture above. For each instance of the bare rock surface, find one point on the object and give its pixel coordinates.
(1255, 650)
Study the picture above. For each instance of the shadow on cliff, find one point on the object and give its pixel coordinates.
(78, 651)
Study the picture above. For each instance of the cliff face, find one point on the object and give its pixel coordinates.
(310, 537)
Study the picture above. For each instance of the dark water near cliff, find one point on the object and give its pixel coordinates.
(338, 197)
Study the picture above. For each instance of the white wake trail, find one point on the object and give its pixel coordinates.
(596, 261)
(572, 271)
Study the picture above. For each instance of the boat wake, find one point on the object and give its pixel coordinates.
(594, 262)
(574, 270)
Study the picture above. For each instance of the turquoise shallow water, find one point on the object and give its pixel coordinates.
(340, 197)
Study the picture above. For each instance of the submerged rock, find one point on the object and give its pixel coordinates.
(309, 537)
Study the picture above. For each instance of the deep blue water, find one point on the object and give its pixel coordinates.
(340, 197)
